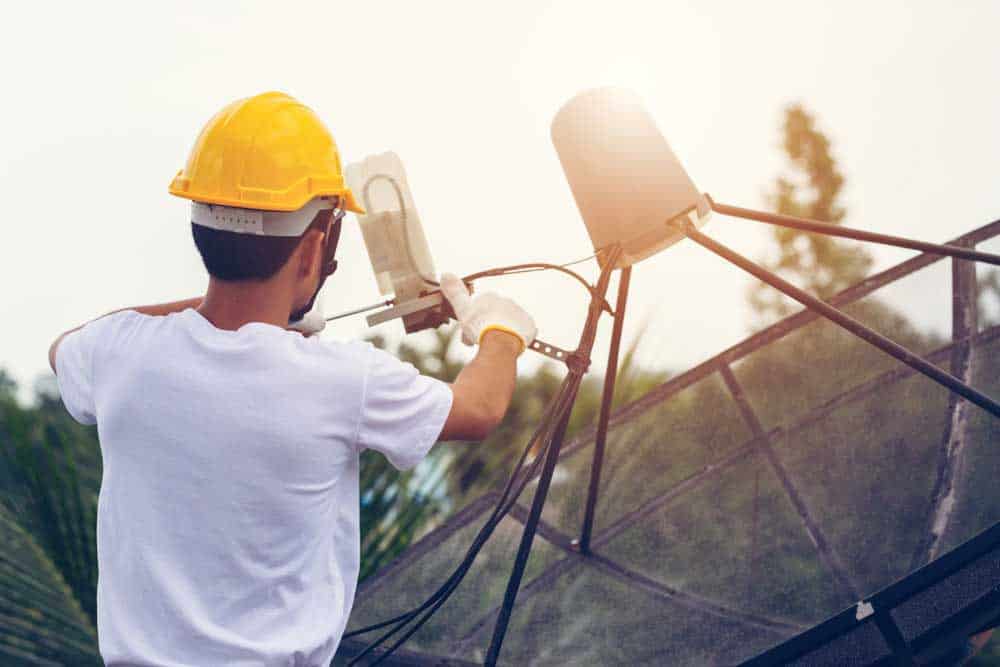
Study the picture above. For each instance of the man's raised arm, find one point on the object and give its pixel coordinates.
(482, 391)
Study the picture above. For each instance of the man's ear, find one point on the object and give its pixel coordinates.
(311, 253)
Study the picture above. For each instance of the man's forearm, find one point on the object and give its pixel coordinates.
(492, 374)
(482, 391)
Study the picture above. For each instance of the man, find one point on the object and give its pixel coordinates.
(227, 522)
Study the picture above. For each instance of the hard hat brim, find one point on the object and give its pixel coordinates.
(291, 199)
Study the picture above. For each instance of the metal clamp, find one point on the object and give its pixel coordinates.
(435, 301)
(549, 350)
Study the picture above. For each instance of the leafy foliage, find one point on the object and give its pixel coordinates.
(819, 264)
(48, 567)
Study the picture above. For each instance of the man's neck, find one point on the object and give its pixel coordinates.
(230, 305)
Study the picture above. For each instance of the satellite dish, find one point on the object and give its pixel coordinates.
(817, 494)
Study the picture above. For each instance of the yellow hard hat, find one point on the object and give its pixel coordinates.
(268, 152)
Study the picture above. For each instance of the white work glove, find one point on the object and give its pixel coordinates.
(312, 322)
(485, 312)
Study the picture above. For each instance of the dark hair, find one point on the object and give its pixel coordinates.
(233, 256)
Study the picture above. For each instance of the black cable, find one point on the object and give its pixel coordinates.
(459, 575)
(435, 601)
(542, 456)
(578, 363)
(556, 413)
(564, 264)
(513, 269)
(517, 469)
(557, 405)
(531, 267)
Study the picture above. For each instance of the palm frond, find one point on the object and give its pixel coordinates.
(41, 621)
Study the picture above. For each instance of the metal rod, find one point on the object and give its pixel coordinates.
(610, 375)
(843, 319)
(712, 470)
(829, 229)
(762, 442)
(964, 325)
(577, 367)
(358, 311)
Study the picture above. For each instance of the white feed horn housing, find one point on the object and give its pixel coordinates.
(394, 237)
(627, 182)
(401, 259)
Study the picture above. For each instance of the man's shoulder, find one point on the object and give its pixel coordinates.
(116, 319)
(104, 330)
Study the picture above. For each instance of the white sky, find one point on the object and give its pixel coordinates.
(105, 99)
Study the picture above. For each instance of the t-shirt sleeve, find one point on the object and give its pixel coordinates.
(403, 411)
(75, 360)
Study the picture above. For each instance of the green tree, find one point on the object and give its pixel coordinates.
(819, 264)
(48, 568)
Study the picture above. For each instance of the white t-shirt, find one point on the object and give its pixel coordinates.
(227, 523)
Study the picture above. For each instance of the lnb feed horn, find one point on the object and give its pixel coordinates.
(625, 179)
(394, 237)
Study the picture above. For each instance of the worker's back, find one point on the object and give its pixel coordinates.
(228, 515)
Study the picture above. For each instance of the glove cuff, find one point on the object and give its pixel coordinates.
(507, 330)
